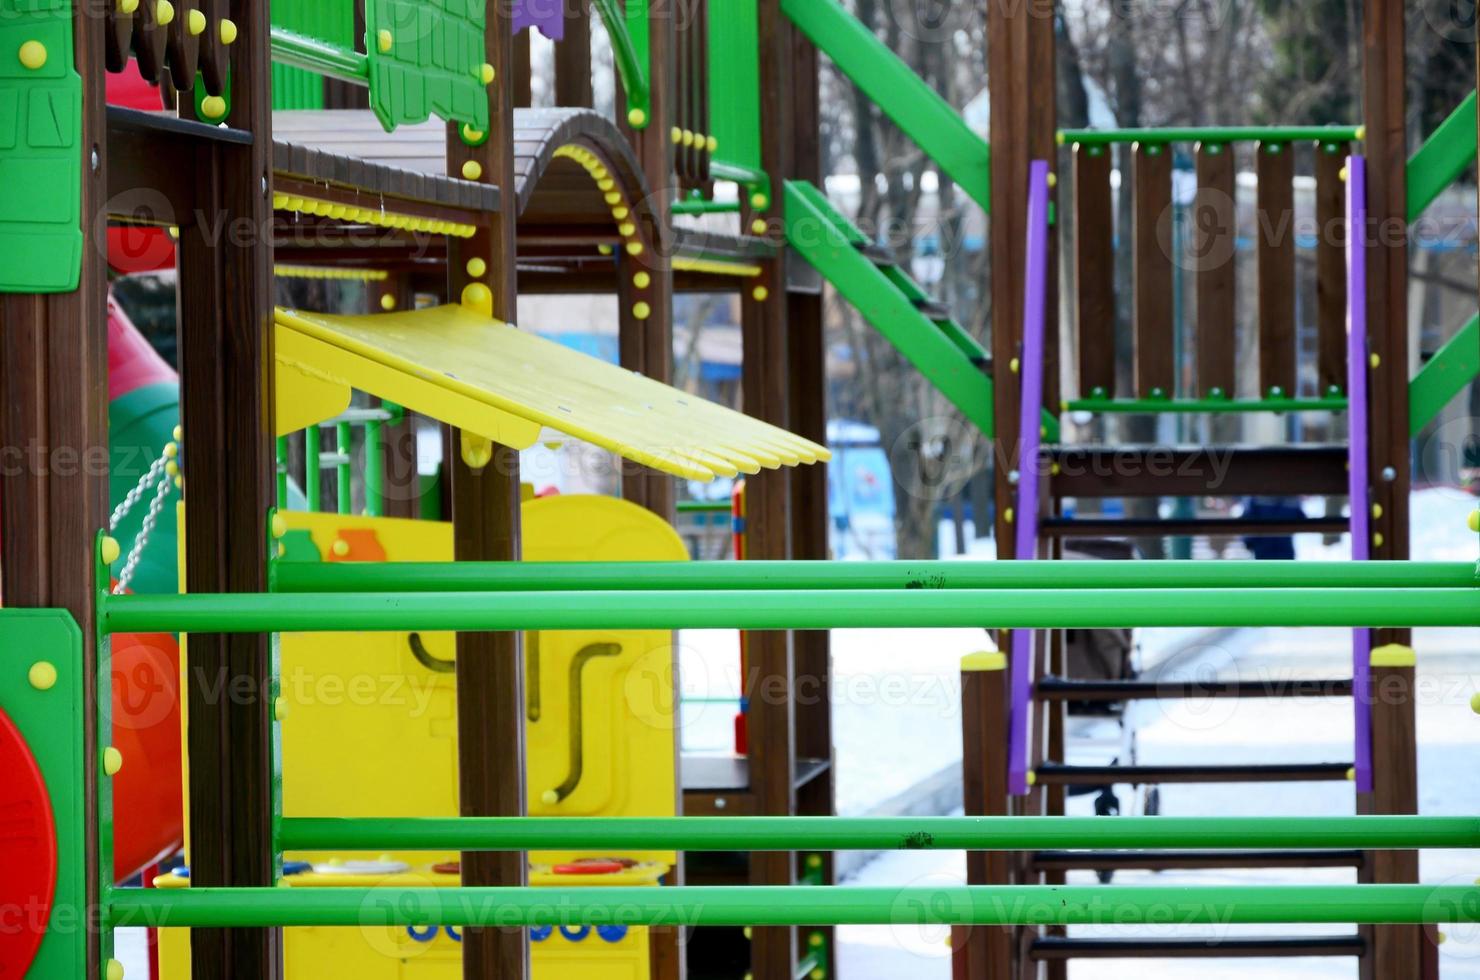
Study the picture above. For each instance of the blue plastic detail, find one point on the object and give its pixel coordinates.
(540, 933)
(575, 934)
(612, 934)
(453, 934)
(422, 935)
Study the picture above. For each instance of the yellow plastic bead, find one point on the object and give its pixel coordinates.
(114, 970)
(164, 12)
(636, 118)
(384, 41)
(1474, 521)
(758, 226)
(110, 550)
(33, 55)
(1377, 512)
(604, 249)
(620, 213)
(112, 761)
(613, 197)
(626, 229)
(688, 137)
(195, 23)
(676, 135)
(478, 297)
(213, 106)
(711, 144)
(280, 707)
(759, 201)
(606, 184)
(486, 74)
(387, 302)
(472, 170)
(341, 547)
(279, 526)
(1377, 540)
(1474, 702)
(472, 135)
(42, 675)
(476, 267)
(634, 248)
(1374, 360)
(549, 797)
(642, 280)
(127, 6)
(228, 31)
(177, 434)
(760, 293)
(642, 311)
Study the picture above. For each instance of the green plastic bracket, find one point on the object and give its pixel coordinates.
(40, 149)
(735, 85)
(1442, 158)
(426, 59)
(1454, 366)
(948, 356)
(50, 720)
(905, 98)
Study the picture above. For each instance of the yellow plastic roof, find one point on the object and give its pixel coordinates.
(463, 368)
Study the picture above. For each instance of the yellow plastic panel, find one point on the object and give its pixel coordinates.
(516, 372)
(305, 394)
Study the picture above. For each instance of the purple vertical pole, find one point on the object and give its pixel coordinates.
(1357, 458)
(1035, 301)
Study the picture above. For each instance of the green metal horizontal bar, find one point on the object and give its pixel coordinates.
(474, 576)
(705, 207)
(794, 609)
(704, 506)
(1212, 134)
(1444, 376)
(321, 57)
(753, 180)
(872, 833)
(1446, 154)
(1210, 406)
(915, 107)
(780, 905)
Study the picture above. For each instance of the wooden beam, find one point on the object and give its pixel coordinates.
(1330, 267)
(226, 395)
(1275, 214)
(1094, 261)
(54, 413)
(1215, 223)
(1153, 320)
(485, 519)
(573, 58)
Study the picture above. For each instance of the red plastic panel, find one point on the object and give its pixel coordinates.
(28, 852)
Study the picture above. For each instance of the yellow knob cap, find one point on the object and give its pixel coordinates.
(32, 55)
(477, 268)
(760, 294)
(636, 118)
(758, 226)
(634, 248)
(340, 547)
(384, 41)
(164, 12)
(472, 170)
(227, 31)
(110, 550)
(478, 297)
(387, 302)
(642, 311)
(213, 107)
(486, 74)
(43, 676)
(279, 525)
(112, 761)
(642, 280)
(195, 23)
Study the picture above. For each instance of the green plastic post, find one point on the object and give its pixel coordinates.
(629, 42)
(313, 467)
(344, 482)
(374, 469)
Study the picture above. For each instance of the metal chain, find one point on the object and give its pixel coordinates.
(137, 493)
(136, 553)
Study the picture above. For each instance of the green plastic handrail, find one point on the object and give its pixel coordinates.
(1445, 375)
(1212, 134)
(782, 905)
(872, 833)
(792, 609)
(472, 576)
(632, 64)
(1210, 406)
(312, 54)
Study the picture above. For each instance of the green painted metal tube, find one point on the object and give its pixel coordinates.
(1446, 154)
(705, 207)
(321, 57)
(795, 609)
(1211, 134)
(905, 98)
(754, 180)
(1210, 406)
(872, 833)
(1444, 376)
(282, 470)
(631, 66)
(780, 905)
(344, 482)
(703, 506)
(313, 467)
(471, 576)
(374, 469)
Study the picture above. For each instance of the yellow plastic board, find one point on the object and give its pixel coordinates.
(463, 368)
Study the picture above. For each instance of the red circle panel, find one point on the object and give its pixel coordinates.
(28, 851)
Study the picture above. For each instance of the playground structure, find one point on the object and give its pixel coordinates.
(431, 183)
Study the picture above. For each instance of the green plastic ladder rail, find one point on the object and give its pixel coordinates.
(497, 577)
(1444, 156)
(1444, 376)
(904, 97)
(1210, 406)
(628, 33)
(1211, 134)
(321, 57)
(787, 905)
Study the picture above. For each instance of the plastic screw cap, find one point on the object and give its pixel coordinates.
(549, 797)
(228, 31)
(213, 107)
(636, 118)
(387, 302)
(472, 170)
(164, 12)
(1474, 521)
(112, 761)
(385, 40)
(32, 55)
(110, 550)
(1475, 702)
(341, 547)
(113, 971)
(43, 675)
(195, 22)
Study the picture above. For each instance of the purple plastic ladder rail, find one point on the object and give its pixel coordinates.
(1035, 300)
(1357, 421)
(547, 15)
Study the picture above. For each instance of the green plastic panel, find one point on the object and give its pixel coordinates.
(333, 22)
(51, 722)
(40, 150)
(735, 83)
(433, 64)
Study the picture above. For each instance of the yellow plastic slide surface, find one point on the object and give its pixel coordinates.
(465, 369)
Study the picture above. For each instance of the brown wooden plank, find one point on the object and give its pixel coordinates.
(225, 317)
(1215, 254)
(485, 516)
(1094, 264)
(1330, 158)
(1166, 471)
(984, 952)
(573, 57)
(183, 48)
(1275, 238)
(1151, 170)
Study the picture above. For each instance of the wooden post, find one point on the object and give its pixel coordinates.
(1215, 223)
(646, 342)
(485, 518)
(1156, 368)
(226, 396)
(1397, 951)
(54, 415)
(573, 58)
(1330, 268)
(1275, 214)
(984, 952)
(1094, 262)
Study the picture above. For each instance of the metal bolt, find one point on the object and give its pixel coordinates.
(1389, 474)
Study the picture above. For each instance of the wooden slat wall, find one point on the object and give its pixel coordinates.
(1275, 237)
(1154, 344)
(1330, 268)
(1094, 265)
(1215, 230)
